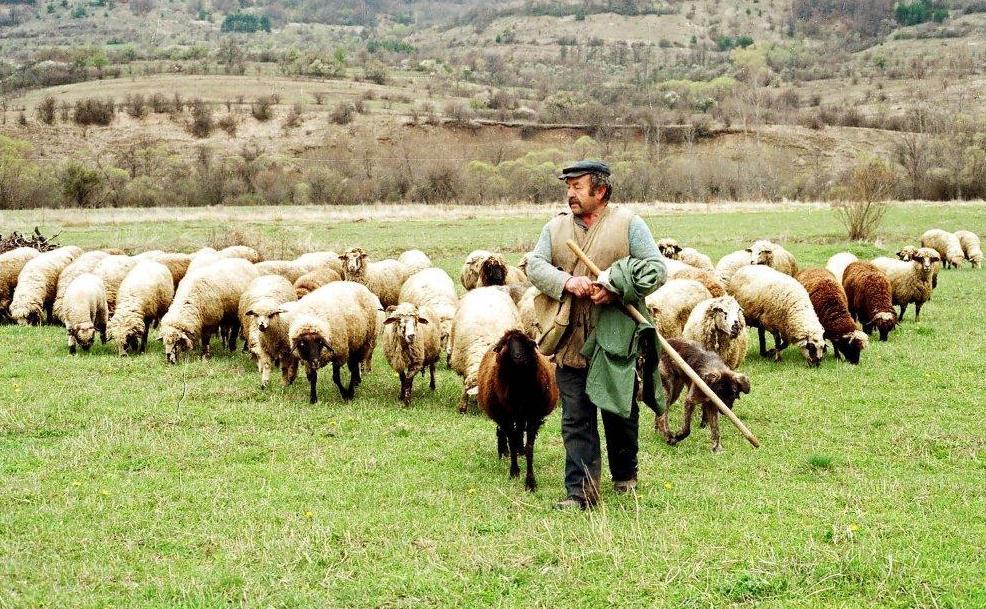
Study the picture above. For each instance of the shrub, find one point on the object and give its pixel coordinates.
(46, 110)
(293, 119)
(228, 124)
(94, 111)
(864, 191)
(160, 104)
(136, 105)
(80, 184)
(245, 23)
(263, 108)
(342, 114)
(202, 123)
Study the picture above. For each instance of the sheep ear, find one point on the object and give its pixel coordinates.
(389, 320)
(712, 377)
(250, 313)
(277, 312)
(422, 320)
(391, 309)
(749, 250)
(342, 256)
(743, 382)
(677, 249)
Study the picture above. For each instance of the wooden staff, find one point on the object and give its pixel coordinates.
(675, 357)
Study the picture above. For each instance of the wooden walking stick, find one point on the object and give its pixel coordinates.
(675, 357)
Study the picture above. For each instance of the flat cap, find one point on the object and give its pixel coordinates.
(583, 167)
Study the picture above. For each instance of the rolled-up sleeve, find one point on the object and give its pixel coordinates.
(542, 274)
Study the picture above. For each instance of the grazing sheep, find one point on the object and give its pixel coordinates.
(272, 344)
(336, 324)
(906, 253)
(240, 251)
(113, 270)
(869, 295)
(201, 259)
(671, 304)
(316, 260)
(384, 278)
(773, 255)
(177, 263)
(289, 269)
(37, 283)
(494, 270)
(725, 383)
(718, 325)
(415, 260)
(313, 280)
(910, 281)
(971, 247)
(265, 292)
(470, 269)
(85, 263)
(411, 344)
(694, 258)
(483, 317)
(433, 288)
(832, 308)
(730, 263)
(837, 264)
(84, 312)
(775, 302)
(947, 245)
(11, 265)
(706, 278)
(206, 299)
(142, 300)
(517, 389)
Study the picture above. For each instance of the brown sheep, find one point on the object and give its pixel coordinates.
(868, 293)
(829, 301)
(517, 389)
(309, 282)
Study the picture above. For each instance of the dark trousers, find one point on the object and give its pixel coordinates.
(580, 432)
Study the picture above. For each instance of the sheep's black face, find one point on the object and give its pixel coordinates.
(885, 322)
(33, 318)
(851, 347)
(493, 272)
(813, 352)
(310, 348)
(521, 349)
(85, 335)
(131, 344)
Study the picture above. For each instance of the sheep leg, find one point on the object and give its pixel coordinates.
(463, 402)
(516, 439)
(405, 395)
(206, 339)
(762, 335)
(779, 346)
(530, 483)
(355, 378)
(431, 385)
(71, 345)
(289, 372)
(312, 374)
(234, 332)
(265, 366)
(711, 413)
(501, 442)
(917, 312)
(903, 307)
(143, 338)
(686, 424)
(337, 379)
(672, 389)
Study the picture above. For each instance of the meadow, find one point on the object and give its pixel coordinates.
(128, 482)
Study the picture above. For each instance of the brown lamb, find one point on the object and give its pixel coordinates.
(828, 298)
(869, 295)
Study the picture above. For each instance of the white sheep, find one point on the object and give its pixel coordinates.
(177, 263)
(971, 247)
(201, 259)
(433, 288)
(469, 277)
(837, 264)
(730, 263)
(671, 304)
(272, 344)
(315, 260)
(338, 324)
(411, 344)
(384, 278)
(415, 260)
(142, 300)
(240, 251)
(775, 302)
(313, 280)
(773, 255)
(85, 263)
(695, 258)
(528, 311)
(113, 270)
(84, 312)
(483, 317)
(34, 293)
(11, 265)
(205, 300)
(912, 280)
(947, 245)
(289, 269)
(718, 325)
(264, 292)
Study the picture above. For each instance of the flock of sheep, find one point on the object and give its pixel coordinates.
(327, 308)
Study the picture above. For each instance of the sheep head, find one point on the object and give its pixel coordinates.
(30, 315)
(516, 349)
(84, 334)
(813, 349)
(669, 248)
(406, 317)
(264, 314)
(354, 261)
(885, 322)
(852, 344)
(727, 384)
(176, 342)
(762, 252)
(907, 252)
(130, 344)
(311, 347)
(727, 316)
(926, 258)
(493, 271)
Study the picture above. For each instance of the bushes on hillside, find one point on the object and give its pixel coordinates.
(94, 111)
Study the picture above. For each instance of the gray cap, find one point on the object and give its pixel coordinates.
(583, 167)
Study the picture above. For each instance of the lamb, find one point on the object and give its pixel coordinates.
(837, 264)
(775, 302)
(205, 300)
(730, 263)
(947, 245)
(773, 255)
(415, 260)
(272, 344)
(85, 263)
(313, 280)
(671, 304)
(384, 278)
(718, 325)
(483, 317)
(84, 312)
(971, 247)
(910, 281)
(336, 324)
(142, 300)
(272, 290)
(37, 282)
(289, 269)
(494, 270)
(11, 265)
(869, 295)
(411, 344)
(470, 269)
(240, 251)
(113, 270)
(315, 260)
(725, 383)
(517, 390)
(433, 288)
(832, 308)
(177, 263)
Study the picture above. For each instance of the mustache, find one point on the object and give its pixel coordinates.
(573, 201)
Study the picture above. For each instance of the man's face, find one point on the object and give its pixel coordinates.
(581, 198)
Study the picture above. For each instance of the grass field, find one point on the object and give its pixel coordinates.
(127, 482)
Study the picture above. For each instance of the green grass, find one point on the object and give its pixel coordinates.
(130, 483)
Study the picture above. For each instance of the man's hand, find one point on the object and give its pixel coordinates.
(579, 286)
(601, 296)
